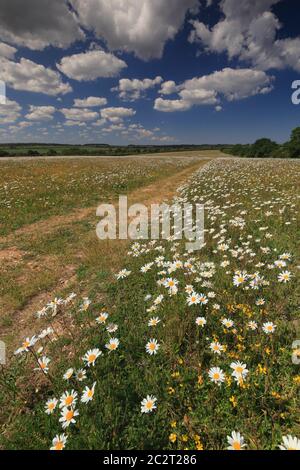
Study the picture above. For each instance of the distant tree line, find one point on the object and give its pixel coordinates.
(262, 148)
(36, 150)
(267, 148)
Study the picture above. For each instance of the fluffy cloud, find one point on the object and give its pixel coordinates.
(168, 88)
(99, 123)
(38, 23)
(116, 115)
(131, 90)
(169, 106)
(233, 84)
(90, 102)
(139, 26)
(7, 51)
(91, 65)
(138, 132)
(30, 76)
(248, 31)
(40, 113)
(9, 112)
(24, 124)
(79, 114)
(74, 123)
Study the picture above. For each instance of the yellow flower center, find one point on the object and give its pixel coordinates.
(69, 400)
(236, 445)
(69, 415)
(92, 357)
(59, 445)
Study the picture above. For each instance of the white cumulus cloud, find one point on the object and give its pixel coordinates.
(133, 89)
(9, 112)
(248, 30)
(90, 102)
(116, 115)
(79, 114)
(232, 84)
(168, 88)
(30, 76)
(91, 65)
(7, 51)
(40, 113)
(139, 26)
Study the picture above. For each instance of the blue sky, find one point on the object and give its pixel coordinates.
(149, 71)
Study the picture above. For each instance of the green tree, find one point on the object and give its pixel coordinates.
(294, 143)
(263, 148)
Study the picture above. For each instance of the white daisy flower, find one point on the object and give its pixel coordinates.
(68, 416)
(113, 344)
(59, 442)
(268, 327)
(290, 443)
(102, 318)
(91, 356)
(236, 441)
(227, 322)
(123, 274)
(201, 321)
(68, 374)
(152, 347)
(216, 347)
(284, 276)
(148, 404)
(50, 405)
(81, 375)
(68, 399)
(43, 364)
(153, 321)
(88, 394)
(216, 375)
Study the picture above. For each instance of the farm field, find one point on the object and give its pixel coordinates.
(48, 219)
(114, 345)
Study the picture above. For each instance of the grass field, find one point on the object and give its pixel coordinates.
(223, 319)
(48, 219)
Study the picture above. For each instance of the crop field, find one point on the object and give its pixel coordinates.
(144, 345)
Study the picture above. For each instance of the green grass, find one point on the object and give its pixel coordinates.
(35, 190)
(192, 412)
(61, 197)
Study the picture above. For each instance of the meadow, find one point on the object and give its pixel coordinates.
(143, 345)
